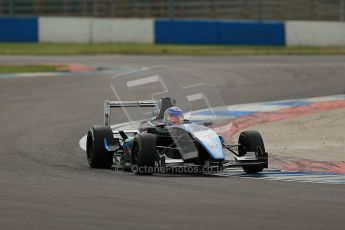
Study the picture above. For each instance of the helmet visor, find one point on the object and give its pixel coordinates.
(175, 119)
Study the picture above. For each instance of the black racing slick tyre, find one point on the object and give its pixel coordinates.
(251, 141)
(144, 153)
(97, 155)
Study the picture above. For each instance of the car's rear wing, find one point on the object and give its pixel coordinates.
(119, 104)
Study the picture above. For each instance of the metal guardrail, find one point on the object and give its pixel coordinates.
(327, 10)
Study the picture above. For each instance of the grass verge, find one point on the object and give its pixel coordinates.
(27, 68)
(159, 49)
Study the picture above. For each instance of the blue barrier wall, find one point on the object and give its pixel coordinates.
(186, 31)
(219, 32)
(252, 33)
(228, 32)
(18, 29)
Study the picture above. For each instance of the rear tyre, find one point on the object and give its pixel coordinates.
(250, 141)
(97, 155)
(144, 153)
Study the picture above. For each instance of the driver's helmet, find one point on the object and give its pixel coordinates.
(173, 116)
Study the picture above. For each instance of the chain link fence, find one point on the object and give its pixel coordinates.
(326, 10)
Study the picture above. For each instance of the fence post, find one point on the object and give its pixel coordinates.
(83, 8)
(259, 9)
(171, 8)
(10, 7)
(95, 8)
(341, 10)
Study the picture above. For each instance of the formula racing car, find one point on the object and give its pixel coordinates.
(155, 145)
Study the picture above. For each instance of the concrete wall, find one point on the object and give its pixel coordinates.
(57, 29)
(306, 33)
(83, 30)
(122, 30)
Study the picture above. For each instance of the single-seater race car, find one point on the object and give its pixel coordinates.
(156, 146)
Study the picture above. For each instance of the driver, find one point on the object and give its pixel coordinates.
(173, 116)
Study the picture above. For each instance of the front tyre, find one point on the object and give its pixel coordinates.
(144, 153)
(251, 141)
(97, 155)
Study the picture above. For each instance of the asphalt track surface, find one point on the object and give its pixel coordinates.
(45, 182)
